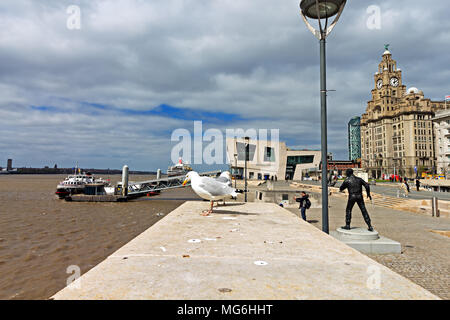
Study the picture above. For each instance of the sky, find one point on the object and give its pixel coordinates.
(113, 91)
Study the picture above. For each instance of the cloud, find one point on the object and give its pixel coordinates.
(112, 92)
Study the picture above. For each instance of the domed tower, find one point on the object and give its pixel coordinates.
(396, 130)
(388, 85)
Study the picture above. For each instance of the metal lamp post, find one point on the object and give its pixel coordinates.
(323, 9)
(247, 146)
(235, 170)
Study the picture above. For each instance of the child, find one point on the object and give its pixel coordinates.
(305, 204)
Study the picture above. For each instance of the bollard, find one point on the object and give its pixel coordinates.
(158, 174)
(438, 214)
(435, 207)
(432, 207)
(125, 181)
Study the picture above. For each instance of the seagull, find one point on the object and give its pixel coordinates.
(225, 177)
(209, 189)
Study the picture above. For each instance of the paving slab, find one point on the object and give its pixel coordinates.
(247, 251)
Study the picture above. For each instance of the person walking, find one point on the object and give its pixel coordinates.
(405, 188)
(305, 204)
(418, 185)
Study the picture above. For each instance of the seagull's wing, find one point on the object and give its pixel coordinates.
(214, 187)
(222, 179)
(225, 179)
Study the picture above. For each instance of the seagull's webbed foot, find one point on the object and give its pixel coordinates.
(206, 213)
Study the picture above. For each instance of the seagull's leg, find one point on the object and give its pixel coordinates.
(208, 212)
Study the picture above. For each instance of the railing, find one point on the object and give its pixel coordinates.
(144, 187)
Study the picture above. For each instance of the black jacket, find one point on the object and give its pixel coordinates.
(354, 186)
(302, 201)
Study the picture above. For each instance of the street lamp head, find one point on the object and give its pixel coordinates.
(327, 8)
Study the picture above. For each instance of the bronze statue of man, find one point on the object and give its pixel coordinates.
(354, 186)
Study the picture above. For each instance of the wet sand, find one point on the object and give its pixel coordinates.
(41, 236)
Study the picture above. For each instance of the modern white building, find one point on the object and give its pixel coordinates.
(271, 160)
(441, 124)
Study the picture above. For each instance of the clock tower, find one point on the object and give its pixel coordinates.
(389, 88)
(396, 130)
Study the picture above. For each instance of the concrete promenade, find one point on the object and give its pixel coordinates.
(243, 251)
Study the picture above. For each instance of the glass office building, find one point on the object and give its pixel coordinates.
(354, 139)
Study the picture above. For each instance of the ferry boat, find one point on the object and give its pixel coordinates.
(180, 169)
(76, 183)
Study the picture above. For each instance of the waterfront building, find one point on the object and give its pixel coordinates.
(441, 123)
(340, 166)
(396, 130)
(354, 139)
(272, 160)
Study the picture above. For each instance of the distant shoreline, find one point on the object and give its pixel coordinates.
(71, 171)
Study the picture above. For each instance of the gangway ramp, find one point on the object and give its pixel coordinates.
(136, 189)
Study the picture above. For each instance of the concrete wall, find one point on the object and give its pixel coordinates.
(277, 197)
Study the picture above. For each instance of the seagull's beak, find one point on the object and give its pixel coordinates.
(185, 181)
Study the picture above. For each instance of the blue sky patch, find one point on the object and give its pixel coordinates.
(163, 110)
(46, 108)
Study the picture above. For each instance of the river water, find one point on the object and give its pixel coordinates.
(42, 236)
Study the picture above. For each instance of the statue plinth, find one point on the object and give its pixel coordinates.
(358, 234)
(368, 242)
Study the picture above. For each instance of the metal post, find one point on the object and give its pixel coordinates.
(322, 34)
(435, 207)
(438, 213)
(158, 174)
(245, 173)
(235, 171)
(323, 100)
(125, 181)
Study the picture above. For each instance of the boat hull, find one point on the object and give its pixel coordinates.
(63, 192)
